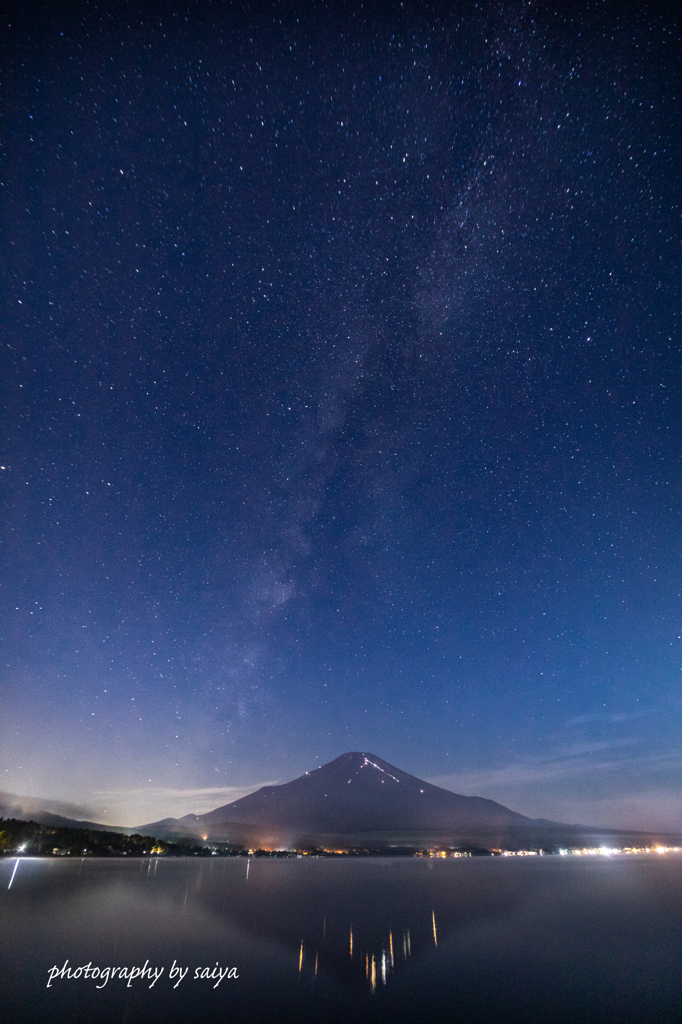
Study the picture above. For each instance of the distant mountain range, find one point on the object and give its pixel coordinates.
(45, 812)
(356, 801)
(361, 800)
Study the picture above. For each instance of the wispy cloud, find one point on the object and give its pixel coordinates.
(226, 793)
(577, 759)
(152, 803)
(609, 783)
(24, 806)
(612, 716)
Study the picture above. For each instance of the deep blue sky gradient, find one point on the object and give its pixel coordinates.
(342, 402)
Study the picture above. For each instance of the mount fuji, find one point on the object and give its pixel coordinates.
(360, 799)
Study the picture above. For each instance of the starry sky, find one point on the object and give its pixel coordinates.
(341, 402)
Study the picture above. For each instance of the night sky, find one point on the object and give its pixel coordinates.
(341, 402)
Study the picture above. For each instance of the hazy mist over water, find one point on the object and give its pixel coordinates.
(536, 939)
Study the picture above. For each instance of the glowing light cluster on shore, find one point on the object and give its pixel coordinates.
(608, 851)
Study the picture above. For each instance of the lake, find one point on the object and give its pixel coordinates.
(567, 940)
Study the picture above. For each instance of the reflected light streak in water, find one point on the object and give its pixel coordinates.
(16, 865)
(382, 963)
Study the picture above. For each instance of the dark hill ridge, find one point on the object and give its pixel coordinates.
(33, 809)
(360, 792)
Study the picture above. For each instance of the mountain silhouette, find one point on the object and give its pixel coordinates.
(359, 792)
(357, 795)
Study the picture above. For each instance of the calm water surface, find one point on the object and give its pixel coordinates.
(561, 940)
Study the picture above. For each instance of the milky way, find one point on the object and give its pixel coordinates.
(341, 412)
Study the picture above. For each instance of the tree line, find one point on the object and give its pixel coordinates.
(33, 839)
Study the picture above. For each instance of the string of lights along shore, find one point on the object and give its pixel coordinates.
(341, 375)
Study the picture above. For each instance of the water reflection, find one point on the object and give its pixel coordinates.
(561, 938)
